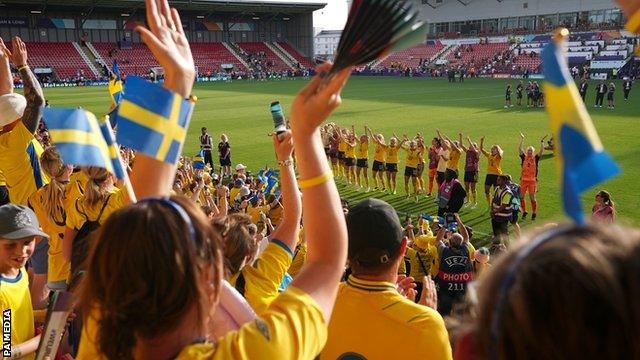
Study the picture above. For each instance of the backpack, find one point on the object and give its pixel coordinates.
(515, 199)
(82, 241)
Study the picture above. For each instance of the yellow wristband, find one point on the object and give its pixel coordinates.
(23, 67)
(633, 23)
(318, 180)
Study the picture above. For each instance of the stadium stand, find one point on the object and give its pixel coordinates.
(295, 54)
(270, 59)
(412, 57)
(208, 57)
(476, 53)
(136, 61)
(62, 57)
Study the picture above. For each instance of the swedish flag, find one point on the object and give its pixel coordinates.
(198, 160)
(581, 159)
(80, 140)
(112, 146)
(115, 84)
(153, 120)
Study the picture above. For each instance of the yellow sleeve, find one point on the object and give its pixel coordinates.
(292, 328)
(265, 275)
(472, 251)
(298, 260)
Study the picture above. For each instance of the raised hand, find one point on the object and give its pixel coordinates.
(18, 55)
(522, 135)
(283, 144)
(429, 296)
(168, 44)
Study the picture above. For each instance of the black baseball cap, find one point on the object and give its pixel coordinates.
(375, 233)
(17, 222)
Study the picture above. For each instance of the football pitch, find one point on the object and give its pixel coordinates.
(407, 106)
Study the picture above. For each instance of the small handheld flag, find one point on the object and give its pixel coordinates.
(115, 85)
(79, 139)
(582, 161)
(153, 120)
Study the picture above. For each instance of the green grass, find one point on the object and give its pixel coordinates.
(410, 105)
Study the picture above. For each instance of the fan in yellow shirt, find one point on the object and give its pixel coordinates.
(369, 305)
(4, 193)
(50, 203)
(19, 231)
(101, 198)
(493, 168)
(19, 120)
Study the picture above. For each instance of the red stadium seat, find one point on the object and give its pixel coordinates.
(296, 55)
(411, 57)
(62, 57)
(256, 47)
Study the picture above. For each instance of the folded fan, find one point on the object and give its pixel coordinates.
(376, 28)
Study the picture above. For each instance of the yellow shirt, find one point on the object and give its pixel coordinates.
(77, 183)
(254, 212)
(392, 154)
(20, 163)
(494, 165)
(423, 262)
(412, 158)
(275, 215)
(14, 295)
(58, 267)
(381, 152)
(292, 328)
(299, 257)
(342, 146)
(233, 193)
(363, 150)
(77, 214)
(261, 280)
(371, 320)
(350, 152)
(3, 182)
(454, 159)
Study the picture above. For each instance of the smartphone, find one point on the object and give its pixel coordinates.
(279, 122)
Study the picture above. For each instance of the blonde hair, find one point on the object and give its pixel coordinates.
(54, 192)
(95, 191)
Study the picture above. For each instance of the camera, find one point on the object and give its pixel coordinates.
(449, 218)
(279, 122)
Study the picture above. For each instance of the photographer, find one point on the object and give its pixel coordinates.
(455, 269)
(451, 194)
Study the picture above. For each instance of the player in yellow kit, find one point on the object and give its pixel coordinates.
(379, 159)
(362, 163)
(392, 163)
(494, 168)
(411, 166)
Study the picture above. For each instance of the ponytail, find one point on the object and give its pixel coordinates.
(54, 192)
(95, 191)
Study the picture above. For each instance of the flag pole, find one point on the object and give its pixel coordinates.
(127, 181)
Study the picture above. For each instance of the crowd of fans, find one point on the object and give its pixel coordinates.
(169, 276)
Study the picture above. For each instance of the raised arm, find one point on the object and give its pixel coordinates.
(168, 44)
(462, 229)
(520, 150)
(32, 90)
(375, 139)
(325, 227)
(6, 81)
(464, 148)
(287, 231)
(541, 150)
(482, 150)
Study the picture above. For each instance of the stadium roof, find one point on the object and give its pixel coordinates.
(203, 5)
